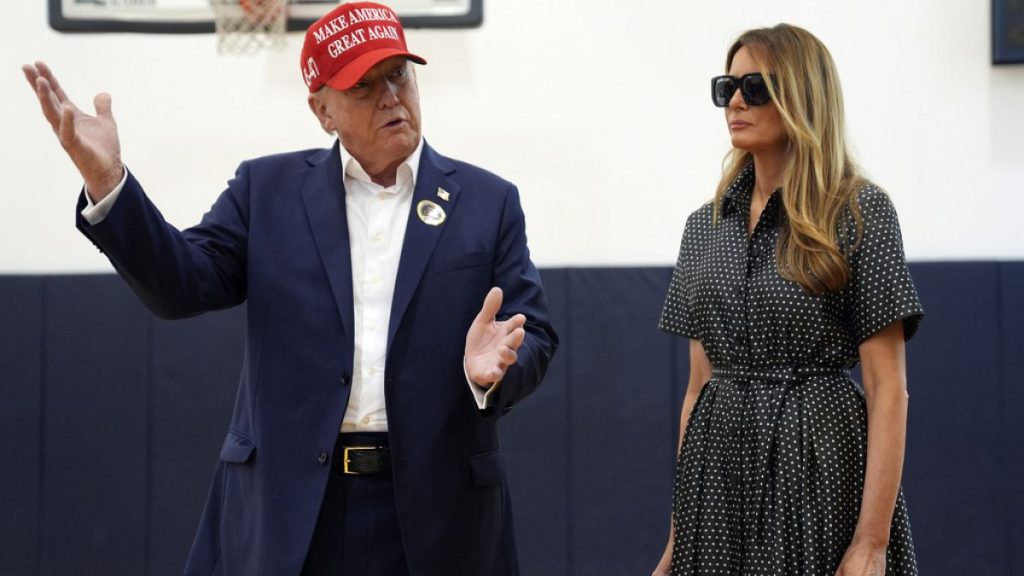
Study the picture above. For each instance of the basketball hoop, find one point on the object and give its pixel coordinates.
(248, 26)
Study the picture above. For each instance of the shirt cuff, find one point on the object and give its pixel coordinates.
(484, 398)
(95, 213)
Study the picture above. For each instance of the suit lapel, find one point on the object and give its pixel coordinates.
(420, 237)
(323, 194)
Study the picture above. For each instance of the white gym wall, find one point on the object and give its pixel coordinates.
(599, 110)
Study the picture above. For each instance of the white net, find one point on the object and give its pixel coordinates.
(248, 26)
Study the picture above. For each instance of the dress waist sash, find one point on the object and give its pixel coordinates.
(778, 373)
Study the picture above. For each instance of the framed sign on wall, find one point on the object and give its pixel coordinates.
(1008, 31)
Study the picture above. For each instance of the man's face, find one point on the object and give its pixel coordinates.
(378, 118)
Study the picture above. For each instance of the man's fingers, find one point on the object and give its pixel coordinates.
(31, 74)
(504, 340)
(51, 97)
(485, 377)
(511, 326)
(67, 126)
(507, 357)
(517, 321)
(48, 103)
(492, 303)
(515, 338)
(45, 71)
(508, 351)
(102, 103)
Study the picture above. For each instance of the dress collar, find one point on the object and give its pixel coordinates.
(738, 193)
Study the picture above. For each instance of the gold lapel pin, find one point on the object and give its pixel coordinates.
(442, 194)
(430, 213)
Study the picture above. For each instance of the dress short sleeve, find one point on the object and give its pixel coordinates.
(676, 317)
(880, 289)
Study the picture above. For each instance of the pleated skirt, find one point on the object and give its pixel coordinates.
(770, 477)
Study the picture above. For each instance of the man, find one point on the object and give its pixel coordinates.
(363, 269)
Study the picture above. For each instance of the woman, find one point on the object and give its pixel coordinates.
(793, 273)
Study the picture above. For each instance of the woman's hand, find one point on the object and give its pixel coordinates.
(862, 559)
(665, 564)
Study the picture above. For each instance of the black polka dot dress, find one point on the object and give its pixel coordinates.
(770, 474)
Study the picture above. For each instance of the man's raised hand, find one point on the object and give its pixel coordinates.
(90, 141)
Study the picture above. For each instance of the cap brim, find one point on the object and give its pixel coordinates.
(349, 75)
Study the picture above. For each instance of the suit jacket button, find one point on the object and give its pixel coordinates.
(322, 458)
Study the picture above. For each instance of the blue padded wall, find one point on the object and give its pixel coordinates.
(1011, 398)
(21, 397)
(110, 423)
(953, 472)
(619, 417)
(94, 440)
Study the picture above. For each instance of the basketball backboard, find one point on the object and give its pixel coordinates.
(196, 16)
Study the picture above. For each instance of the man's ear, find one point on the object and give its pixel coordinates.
(316, 106)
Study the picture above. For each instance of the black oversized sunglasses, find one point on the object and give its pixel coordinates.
(752, 87)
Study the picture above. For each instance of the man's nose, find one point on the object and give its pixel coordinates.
(389, 94)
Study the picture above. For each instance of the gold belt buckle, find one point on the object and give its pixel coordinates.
(347, 450)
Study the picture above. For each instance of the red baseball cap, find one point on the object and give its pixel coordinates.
(346, 42)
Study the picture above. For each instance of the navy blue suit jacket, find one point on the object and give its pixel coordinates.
(277, 240)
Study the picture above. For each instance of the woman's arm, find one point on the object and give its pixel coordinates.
(700, 373)
(883, 366)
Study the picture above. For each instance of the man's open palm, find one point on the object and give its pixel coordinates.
(491, 344)
(90, 141)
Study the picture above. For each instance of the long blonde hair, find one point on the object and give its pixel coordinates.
(820, 179)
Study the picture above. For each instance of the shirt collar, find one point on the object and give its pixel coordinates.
(406, 170)
(738, 193)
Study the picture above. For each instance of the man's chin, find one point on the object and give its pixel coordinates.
(403, 144)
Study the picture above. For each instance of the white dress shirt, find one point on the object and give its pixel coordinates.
(377, 217)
